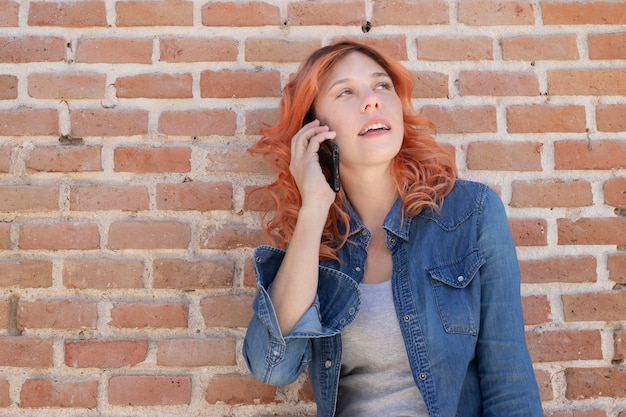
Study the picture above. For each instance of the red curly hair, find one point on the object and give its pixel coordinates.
(424, 172)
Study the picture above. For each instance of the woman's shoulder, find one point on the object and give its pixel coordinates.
(466, 198)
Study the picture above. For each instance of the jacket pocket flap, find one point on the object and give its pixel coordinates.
(458, 273)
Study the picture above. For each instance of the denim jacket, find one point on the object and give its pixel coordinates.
(456, 289)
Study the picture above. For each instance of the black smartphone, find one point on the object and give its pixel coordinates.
(329, 160)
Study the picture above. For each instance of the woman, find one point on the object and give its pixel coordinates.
(400, 293)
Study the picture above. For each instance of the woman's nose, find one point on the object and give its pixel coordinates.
(370, 101)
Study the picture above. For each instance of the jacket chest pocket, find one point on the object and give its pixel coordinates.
(456, 288)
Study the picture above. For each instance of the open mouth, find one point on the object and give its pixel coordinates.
(376, 126)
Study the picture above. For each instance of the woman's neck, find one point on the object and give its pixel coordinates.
(371, 196)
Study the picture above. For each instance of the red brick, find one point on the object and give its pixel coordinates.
(234, 389)
(536, 309)
(573, 345)
(538, 118)
(529, 232)
(5, 236)
(154, 13)
(459, 120)
(8, 87)
(197, 352)
(310, 13)
(26, 274)
(607, 45)
(200, 49)
(306, 392)
(566, 269)
(615, 192)
(67, 85)
(114, 51)
(57, 314)
(9, 13)
(77, 14)
(494, 12)
(142, 315)
(149, 235)
(454, 49)
(5, 397)
(203, 122)
(592, 231)
(279, 50)
(194, 195)
(539, 48)
(595, 383)
(162, 86)
(393, 45)
(104, 197)
(504, 156)
(28, 122)
(253, 13)
(229, 236)
(4, 324)
(492, 83)
(40, 393)
(410, 13)
(59, 236)
(258, 119)
(578, 413)
(611, 117)
(597, 154)
(249, 279)
(186, 275)
(619, 341)
(149, 390)
(28, 198)
(234, 160)
(430, 85)
(102, 273)
(105, 354)
(551, 193)
(65, 159)
(617, 268)
(257, 200)
(595, 306)
(544, 381)
(152, 160)
(239, 84)
(108, 122)
(227, 310)
(583, 13)
(26, 352)
(587, 82)
(32, 49)
(5, 159)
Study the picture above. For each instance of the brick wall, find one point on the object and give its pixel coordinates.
(126, 227)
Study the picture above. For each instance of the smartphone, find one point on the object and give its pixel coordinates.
(329, 160)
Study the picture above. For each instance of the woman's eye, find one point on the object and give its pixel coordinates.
(343, 93)
(384, 86)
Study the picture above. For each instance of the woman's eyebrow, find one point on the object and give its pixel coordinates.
(346, 80)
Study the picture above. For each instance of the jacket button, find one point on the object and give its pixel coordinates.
(461, 278)
(351, 311)
(407, 318)
(422, 376)
(328, 364)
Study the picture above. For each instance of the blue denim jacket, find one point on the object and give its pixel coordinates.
(456, 289)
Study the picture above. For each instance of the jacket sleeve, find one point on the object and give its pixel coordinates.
(508, 383)
(277, 360)
(272, 358)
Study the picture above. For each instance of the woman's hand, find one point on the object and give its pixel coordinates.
(305, 166)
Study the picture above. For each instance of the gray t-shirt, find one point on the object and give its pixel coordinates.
(375, 376)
